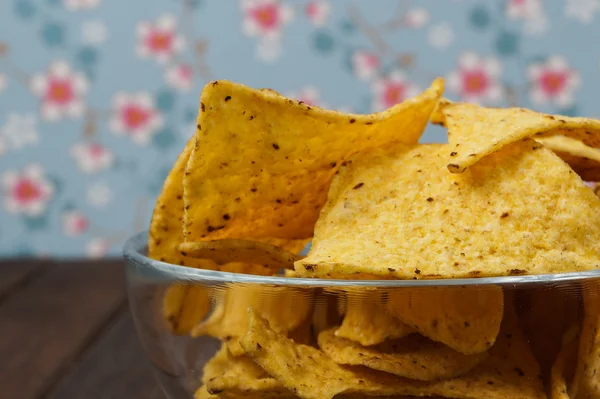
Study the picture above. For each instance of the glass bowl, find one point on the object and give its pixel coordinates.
(516, 336)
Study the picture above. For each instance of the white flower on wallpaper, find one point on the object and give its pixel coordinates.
(365, 64)
(268, 50)
(99, 194)
(553, 81)
(75, 5)
(265, 18)
(180, 77)
(91, 157)
(61, 91)
(441, 35)
(582, 10)
(531, 12)
(97, 248)
(392, 89)
(26, 192)
(318, 12)
(19, 131)
(135, 115)
(159, 40)
(309, 95)
(74, 223)
(94, 32)
(416, 18)
(477, 79)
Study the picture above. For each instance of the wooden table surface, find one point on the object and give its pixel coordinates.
(66, 333)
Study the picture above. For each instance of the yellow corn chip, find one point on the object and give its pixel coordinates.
(184, 305)
(413, 357)
(584, 160)
(236, 250)
(398, 212)
(563, 367)
(368, 322)
(237, 375)
(262, 163)
(285, 308)
(586, 383)
(474, 131)
(467, 319)
(509, 372)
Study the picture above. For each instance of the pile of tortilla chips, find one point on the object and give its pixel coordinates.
(265, 174)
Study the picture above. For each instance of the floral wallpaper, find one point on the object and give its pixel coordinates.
(97, 97)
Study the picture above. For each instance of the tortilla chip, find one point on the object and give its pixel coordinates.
(584, 160)
(184, 305)
(262, 164)
(414, 357)
(235, 250)
(399, 213)
(368, 322)
(285, 308)
(545, 314)
(586, 383)
(474, 131)
(467, 319)
(237, 375)
(510, 370)
(563, 368)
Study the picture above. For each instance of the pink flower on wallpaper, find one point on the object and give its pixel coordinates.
(97, 248)
(317, 12)
(159, 40)
(392, 89)
(265, 18)
(74, 223)
(309, 95)
(180, 77)
(135, 115)
(27, 192)
(61, 91)
(416, 17)
(365, 64)
(553, 81)
(92, 157)
(477, 79)
(75, 5)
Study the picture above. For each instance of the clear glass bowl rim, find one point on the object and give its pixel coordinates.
(135, 249)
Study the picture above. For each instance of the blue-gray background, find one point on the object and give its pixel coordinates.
(308, 49)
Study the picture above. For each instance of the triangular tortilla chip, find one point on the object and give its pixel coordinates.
(285, 308)
(414, 357)
(237, 375)
(368, 322)
(262, 164)
(467, 319)
(584, 160)
(586, 383)
(510, 370)
(397, 212)
(184, 305)
(474, 131)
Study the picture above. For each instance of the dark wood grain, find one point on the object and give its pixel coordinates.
(14, 273)
(114, 367)
(51, 320)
